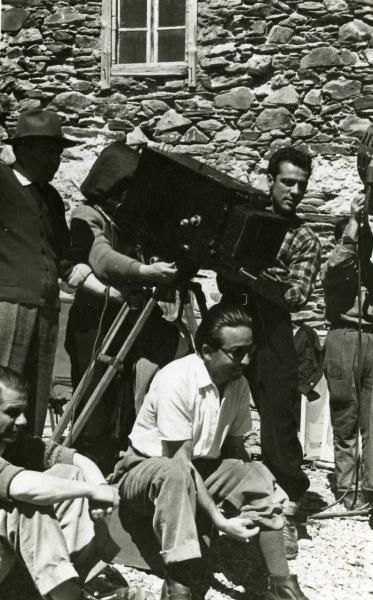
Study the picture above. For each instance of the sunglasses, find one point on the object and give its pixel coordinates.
(238, 354)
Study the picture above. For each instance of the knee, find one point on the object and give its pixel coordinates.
(178, 474)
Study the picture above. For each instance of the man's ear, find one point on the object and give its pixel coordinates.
(206, 351)
(270, 181)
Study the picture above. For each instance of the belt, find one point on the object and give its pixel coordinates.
(365, 327)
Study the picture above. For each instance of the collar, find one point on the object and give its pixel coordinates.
(23, 180)
(202, 374)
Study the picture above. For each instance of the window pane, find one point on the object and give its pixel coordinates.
(133, 13)
(132, 47)
(171, 45)
(171, 13)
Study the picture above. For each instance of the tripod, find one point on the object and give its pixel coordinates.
(114, 364)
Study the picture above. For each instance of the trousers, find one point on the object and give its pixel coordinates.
(165, 488)
(28, 341)
(54, 543)
(273, 378)
(343, 377)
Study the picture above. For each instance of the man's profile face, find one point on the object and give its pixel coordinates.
(229, 360)
(288, 188)
(12, 418)
(39, 157)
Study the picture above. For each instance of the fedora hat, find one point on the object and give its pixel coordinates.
(39, 122)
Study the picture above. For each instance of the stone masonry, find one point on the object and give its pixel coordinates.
(268, 74)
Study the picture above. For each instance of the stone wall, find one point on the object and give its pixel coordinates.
(269, 73)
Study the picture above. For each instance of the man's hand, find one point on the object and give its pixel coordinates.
(239, 528)
(275, 274)
(357, 207)
(159, 272)
(104, 499)
(116, 295)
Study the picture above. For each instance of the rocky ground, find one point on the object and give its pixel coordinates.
(334, 562)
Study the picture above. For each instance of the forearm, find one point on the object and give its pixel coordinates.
(89, 469)
(111, 266)
(182, 451)
(207, 504)
(41, 489)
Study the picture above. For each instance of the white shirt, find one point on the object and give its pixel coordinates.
(184, 404)
(23, 180)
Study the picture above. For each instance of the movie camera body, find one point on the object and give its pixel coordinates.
(185, 211)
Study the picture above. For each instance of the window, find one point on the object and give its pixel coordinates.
(149, 37)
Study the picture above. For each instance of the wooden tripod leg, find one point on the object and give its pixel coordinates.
(186, 298)
(114, 364)
(87, 377)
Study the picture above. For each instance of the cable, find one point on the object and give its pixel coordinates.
(102, 314)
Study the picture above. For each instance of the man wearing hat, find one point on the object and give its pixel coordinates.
(33, 237)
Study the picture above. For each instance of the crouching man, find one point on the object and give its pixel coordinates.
(176, 462)
(52, 501)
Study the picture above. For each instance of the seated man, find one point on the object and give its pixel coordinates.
(52, 501)
(175, 462)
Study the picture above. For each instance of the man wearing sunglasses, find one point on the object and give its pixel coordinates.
(187, 459)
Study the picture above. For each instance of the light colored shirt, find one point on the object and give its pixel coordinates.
(184, 404)
(23, 180)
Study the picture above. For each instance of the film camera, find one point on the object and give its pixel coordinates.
(175, 209)
(185, 211)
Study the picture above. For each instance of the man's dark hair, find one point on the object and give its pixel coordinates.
(292, 155)
(217, 317)
(12, 380)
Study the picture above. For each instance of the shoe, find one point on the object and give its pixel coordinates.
(284, 588)
(348, 501)
(107, 585)
(173, 590)
(290, 538)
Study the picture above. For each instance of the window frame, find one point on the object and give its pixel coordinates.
(108, 48)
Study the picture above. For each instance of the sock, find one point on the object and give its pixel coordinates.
(272, 546)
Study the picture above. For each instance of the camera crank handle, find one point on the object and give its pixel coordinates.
(247, 274)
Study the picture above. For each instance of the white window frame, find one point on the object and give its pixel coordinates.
(109, 66)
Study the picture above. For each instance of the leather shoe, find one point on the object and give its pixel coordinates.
(290, 538)
(109, 584)
(173, 590)
(284, 588)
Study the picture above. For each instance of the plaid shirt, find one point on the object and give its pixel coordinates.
(300, 255)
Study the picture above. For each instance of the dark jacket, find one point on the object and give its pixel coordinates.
(33, 238)
(339, 277)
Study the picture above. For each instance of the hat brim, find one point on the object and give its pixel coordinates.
(66, 142)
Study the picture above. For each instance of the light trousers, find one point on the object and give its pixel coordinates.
(57, 543)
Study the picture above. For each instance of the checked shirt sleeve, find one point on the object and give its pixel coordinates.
(301, 254)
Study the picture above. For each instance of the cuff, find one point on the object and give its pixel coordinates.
(348, 240)
(66, 455)
(7, 475)
(134, 269)
(79, 274)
